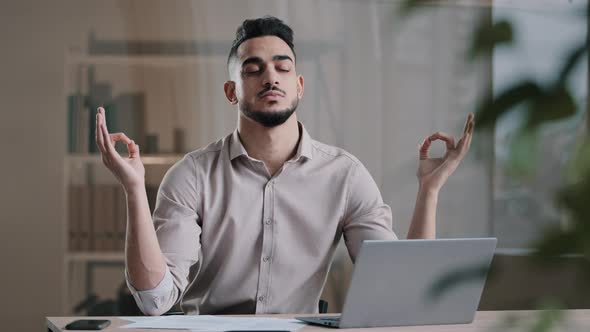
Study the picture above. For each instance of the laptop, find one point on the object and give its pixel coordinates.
(414, 282)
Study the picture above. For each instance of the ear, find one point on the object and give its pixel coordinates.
(229, 87)
(300, 86)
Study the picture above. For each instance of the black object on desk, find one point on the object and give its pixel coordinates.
(88, 324)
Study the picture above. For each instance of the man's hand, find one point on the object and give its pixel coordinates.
(129, 171)
(434, 172)
(143, 257)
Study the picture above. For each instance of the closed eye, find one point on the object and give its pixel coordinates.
(252, 70)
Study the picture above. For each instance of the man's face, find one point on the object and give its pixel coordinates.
(264, 81)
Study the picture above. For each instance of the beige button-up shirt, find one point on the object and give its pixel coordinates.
(240, 241)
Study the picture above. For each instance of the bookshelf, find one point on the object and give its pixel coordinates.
(92, 193)
(80, 262)
(164, 159)
(83, 257)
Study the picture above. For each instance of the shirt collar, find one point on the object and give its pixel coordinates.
(304, 149)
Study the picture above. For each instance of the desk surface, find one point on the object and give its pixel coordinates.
(575, 320)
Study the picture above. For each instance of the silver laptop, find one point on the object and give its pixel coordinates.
(414, 282)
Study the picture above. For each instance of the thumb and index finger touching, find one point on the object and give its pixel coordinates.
(106, 142)
(449, 141)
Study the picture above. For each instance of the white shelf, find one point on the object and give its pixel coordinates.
(154, 159)
(145, 60)
(87, 257)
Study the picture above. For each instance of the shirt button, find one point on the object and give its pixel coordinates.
(260, 298)
(268, 221)
(266, 259)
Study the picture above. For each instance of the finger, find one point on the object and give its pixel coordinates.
(98, 133)
(463, 146)
(467, 136)
(119, 137)
(449, 140)
(133, 150)
(424, 147)
(467, 143)
(109, 147)
(471, 128)
(123, 138)
(468, 123)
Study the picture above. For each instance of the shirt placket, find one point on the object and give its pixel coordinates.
(263, 296)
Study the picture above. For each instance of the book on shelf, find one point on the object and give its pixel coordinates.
(74, 201)
(97, 203)
(103, 217)
(125, 112)
(74, 103)
(98, 216)
(96, 221)
(120, 220)
(84, 220)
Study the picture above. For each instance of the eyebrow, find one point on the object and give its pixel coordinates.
(258, 60)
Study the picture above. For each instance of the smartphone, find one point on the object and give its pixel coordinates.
(88, 324)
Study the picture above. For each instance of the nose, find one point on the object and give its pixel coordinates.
(270, 77)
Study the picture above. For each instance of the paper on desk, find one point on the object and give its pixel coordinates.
(213, 323)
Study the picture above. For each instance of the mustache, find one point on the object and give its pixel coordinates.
(271, 88)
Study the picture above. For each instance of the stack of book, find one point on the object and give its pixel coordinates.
(98, 217)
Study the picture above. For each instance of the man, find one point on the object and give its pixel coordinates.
(250, 223)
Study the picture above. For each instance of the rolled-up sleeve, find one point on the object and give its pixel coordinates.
(366, 216)
(176, 220)
(152, 301)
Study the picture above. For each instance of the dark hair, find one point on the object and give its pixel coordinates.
(264, 26)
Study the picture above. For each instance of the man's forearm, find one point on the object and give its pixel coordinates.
(143, 257)
(423, 224)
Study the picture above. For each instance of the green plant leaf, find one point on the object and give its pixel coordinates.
(555, 242)
(574, 199)
(579, 163)
(570, 62)
(554, 105)
(547, 320)
(487, 37)
(491, 109)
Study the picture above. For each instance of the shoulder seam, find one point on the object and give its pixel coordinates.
(344, 153)
(196, 155)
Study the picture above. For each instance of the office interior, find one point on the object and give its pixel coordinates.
(380, 76)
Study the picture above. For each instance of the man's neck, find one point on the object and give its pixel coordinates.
(274, 146)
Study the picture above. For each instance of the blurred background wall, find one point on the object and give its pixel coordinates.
(377, 83)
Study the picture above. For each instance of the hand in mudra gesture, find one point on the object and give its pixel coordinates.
(434, 172)
(128, 170)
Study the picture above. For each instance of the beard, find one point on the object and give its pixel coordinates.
(268, 119)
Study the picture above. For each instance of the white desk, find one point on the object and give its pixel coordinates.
(485, 321)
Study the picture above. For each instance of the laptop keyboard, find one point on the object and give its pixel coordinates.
(331, 319)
